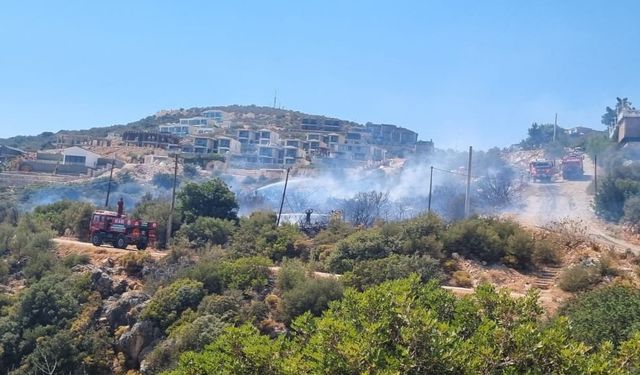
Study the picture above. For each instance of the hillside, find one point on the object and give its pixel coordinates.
(261, 116)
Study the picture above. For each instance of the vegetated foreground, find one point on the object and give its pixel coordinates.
(245, 296)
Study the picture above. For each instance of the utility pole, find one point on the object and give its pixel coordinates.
(173, 203)
(555, 126)
(106, 202)
(284, 191)
(467, 192)
(595, 174)
(275, 97)
(430, 185)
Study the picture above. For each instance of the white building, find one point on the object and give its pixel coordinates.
(78, 156)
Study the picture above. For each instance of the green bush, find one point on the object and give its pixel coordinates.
(312, 295)
(207, 231)
(579, 278)
(546, 253)
(491, 240)
(74, 259)
(361, 245)
(611, 313)
(292, 273)
(462, 279)
(169, 302)
(226, 305)
(373, 272)
(244, 274)
(67, 215)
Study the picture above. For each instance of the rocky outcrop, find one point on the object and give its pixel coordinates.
(102, 283)
(123, 311)
(139, 341)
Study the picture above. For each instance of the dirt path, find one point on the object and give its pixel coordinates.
(67, 246)
(560, 199)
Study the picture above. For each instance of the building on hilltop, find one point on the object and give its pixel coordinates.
(194, 121)
(71, 160)
(68, 140)
(627, 128)
(213, 115)
(178, 130)
(268, 137)
(149, 139)
(387, 134)
(321, 124)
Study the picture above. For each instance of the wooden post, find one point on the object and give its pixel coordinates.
(284, 191)
(595, 174)
(468, 190)
(430, 185)
(173, 203)
(106, 202)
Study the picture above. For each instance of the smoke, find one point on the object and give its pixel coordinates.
(94, 192)
(406, 183)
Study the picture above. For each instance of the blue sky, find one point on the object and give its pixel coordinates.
(459, 72)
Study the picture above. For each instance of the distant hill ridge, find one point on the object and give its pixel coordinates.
(263, 116)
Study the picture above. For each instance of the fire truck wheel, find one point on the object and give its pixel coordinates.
(121, 242)
(141, 245)
(96, 240)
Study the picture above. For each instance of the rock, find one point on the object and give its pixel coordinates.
(138, 341)
(123, 311)
(120, 287)
(83, 268)
(109, 262)
(102, 283)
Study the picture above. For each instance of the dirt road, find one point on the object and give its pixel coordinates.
(67, 246)
(560, 199)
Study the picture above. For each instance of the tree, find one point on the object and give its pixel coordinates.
(211, 199)
(609, 117)
(366, 208)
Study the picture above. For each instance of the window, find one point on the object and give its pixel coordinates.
(73, 159)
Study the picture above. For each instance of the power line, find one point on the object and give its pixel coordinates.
(456, 173)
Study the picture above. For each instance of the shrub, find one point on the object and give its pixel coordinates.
(462, 279)
(65, 214)
(292, 273)
(611, 313)
(133, 262)
(545, 253)
(208, 230)
(491, 240)
(579, 278)
(226, 305)
(361, 245)
(74, 259)
(312, 295)
(169, 302)
(244, 274)
(373, 272)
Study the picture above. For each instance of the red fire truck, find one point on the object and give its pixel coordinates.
(120, 231)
